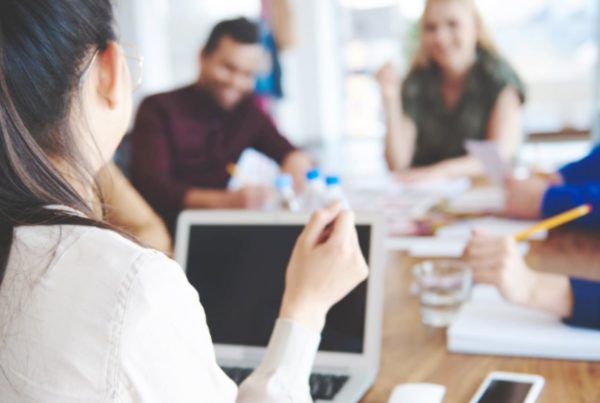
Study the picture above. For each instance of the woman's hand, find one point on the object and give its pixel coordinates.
(497, 260)
(389, 82)
(326, 264)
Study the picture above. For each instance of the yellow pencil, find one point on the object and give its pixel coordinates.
(554, 222)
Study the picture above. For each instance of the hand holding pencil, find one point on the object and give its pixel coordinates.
(497, 260)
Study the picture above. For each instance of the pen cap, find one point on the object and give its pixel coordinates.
(332, 180)
(313, 174)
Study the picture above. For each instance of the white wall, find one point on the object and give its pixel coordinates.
(144, 23)
(312, 109)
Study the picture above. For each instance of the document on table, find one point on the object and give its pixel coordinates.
(435, 246)
(478, 200)
(493, 225)
(488, 153)
(427, 246)
(402, 203)
(389, 186)
(489, 325)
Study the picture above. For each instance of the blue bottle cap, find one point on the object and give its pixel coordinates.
(332, 180)
(284, 181)
(313, 174)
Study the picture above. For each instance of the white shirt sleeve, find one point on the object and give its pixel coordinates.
(166, 352)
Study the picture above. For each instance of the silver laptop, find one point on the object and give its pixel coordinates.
(237, 261)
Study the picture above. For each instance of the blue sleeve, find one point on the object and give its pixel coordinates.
(584, 170)
(559, 199)
(586, 304)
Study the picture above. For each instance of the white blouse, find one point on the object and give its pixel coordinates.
(88, 316)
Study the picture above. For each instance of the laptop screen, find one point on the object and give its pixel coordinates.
(239, 272)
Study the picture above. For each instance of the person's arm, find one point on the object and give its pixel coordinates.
(505, 122)
(127, 209)
(586, 303)
(269, 141)
(498, 261)
(570, 187)
(152, 161)
(166, 350)
(297, 163)
(560, 198)
(282, 22)
(167, 353)
(585, 170)
(248, 197)
(400, 130)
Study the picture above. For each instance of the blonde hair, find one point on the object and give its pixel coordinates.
(484, 38)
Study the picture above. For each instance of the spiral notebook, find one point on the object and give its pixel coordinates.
(489, 325)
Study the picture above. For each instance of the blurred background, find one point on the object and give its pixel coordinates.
(331, 102)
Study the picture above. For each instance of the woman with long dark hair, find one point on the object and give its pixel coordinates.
(87, 314)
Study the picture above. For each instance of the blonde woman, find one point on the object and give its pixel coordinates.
(458, 88)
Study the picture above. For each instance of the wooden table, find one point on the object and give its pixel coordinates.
(413, 352)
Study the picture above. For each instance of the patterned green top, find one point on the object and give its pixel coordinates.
(441, 132)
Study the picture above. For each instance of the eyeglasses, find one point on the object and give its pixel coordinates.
(88, 66)
(135, 62)
(135, 65)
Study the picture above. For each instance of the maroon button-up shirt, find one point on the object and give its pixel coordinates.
(183, 139)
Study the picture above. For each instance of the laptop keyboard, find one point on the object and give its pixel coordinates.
(322, 386)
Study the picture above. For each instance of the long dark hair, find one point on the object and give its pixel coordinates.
(44, 46)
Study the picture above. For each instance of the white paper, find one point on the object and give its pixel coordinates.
(488, 153)
(427, 246)
(478, 200)
(400, 200)
(388, 185)
(492, 225)
(253, 169)
(489, 325)
(435, 246)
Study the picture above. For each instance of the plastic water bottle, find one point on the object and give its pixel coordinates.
(334, 192)
(314, 194)
(286, 197)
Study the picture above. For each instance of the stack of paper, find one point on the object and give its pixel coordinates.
(489, 325)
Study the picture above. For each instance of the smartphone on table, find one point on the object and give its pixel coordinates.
(508, 387)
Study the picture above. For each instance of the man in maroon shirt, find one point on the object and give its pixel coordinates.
(183, 140)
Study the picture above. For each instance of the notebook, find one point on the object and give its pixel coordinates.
(489, 325)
